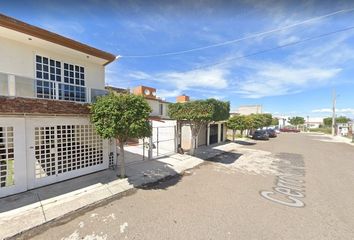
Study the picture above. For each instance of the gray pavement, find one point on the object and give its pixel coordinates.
(296, 186)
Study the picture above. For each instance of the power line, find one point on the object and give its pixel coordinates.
(274, 48)
(240, 39)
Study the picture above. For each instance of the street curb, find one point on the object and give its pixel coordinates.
(33, 231)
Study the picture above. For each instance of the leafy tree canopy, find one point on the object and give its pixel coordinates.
(200, 110)
(275, 122)
(121, 116)
(296, 120)
(237, 122)
(198, 113)
(342, 119)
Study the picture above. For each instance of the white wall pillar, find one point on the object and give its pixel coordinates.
(11, 85)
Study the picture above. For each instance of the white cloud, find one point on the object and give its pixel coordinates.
(339, 110)
(204, 78)
(288, 40)
(276, 79)
(139, 75)
(175, 83)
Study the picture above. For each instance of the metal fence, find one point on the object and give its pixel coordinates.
(163, 142)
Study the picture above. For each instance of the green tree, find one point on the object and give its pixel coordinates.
(267, 119)
(237, 122)
(198, 113)
(275, 122)
(121, 116)
(258, 121)
(342, 119)
(327, 121)
(296, 121)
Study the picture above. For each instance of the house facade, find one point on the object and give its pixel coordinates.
(210, 133)
(164, 130)
(248, 109)
(46, 84)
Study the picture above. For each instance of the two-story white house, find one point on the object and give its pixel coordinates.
(46, 84)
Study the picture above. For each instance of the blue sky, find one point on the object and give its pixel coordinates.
(293, 80)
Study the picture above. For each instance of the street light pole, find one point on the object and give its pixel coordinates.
(334, 113)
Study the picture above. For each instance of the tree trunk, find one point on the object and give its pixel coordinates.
(193, 146)
(195, 129)
(242, 133)
(233, 135)
(122, 160)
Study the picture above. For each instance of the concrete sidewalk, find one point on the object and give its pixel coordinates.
(329, 138)
(31, 209)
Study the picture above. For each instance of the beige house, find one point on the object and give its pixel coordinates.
(248, 109)
(46, 84)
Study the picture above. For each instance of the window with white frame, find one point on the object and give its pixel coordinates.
(55, 82)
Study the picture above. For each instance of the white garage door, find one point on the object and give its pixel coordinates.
(63, 148)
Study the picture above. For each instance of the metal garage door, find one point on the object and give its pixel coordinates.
(213, 138)
(62, 148)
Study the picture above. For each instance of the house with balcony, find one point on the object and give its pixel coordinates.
(47, 82)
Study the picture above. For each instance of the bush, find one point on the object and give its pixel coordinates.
(322, 130)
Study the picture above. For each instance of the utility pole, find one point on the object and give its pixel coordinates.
(334, 113)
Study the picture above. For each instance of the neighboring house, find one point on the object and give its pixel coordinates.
(211, 133)
(46, 84)
(283, 121)
(248, 109)
(313, 122)
(163, 138)
(343, 129)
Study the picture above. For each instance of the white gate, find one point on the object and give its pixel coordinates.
(61, 148)
(12, 156)
(164, 138)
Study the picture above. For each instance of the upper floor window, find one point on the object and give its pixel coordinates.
(52, 84)
(161, 109)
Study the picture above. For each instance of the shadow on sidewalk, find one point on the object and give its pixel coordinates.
(225, 157)
(245, 143)
(213, 154)
(83, 183)
(137, 173)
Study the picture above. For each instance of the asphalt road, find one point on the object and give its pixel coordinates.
(291, 187)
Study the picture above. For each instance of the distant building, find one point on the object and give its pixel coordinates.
(248, 109)
(314, 122)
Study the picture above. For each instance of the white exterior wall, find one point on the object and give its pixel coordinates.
(247, 110)
(25, 161)
(155, 105)
(19, 59)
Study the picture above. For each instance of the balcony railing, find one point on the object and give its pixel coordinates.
(18, 86)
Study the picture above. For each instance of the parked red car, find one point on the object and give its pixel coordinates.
(289, 130)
